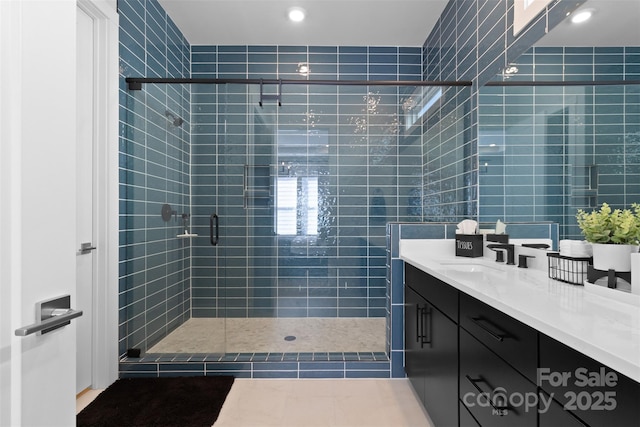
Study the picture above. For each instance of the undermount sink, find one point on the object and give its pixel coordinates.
(471, 267)
(474, 272)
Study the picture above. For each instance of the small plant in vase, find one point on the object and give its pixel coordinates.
(614, 235)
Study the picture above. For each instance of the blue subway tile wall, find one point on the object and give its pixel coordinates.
(152, 46)
(154, 278)
(344, 152)
(248, 365)
(473, 40)
(546, 152)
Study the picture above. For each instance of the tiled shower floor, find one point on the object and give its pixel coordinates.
(267, 335)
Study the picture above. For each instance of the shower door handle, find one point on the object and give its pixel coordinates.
(214, 223)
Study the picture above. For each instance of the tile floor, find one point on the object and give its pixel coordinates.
(86, 397)
(308, 403)
(251, 335)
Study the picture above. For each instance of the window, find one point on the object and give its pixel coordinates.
(310, 213)
(525, 11)
(419, 104)
(286, 202)
(297, 206)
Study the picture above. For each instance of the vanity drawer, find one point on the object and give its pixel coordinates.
(590, 390)
(442, 295)
(552, 414)
(490, 388)
(510, 339)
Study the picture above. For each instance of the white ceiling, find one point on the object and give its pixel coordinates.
(614, 23)
(328, 23)
(371, 23)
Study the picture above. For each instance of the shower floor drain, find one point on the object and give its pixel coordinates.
(289, 338)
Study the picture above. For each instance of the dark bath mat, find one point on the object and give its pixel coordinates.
(142, 402)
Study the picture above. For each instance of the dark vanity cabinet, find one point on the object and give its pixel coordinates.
(475, 366)
(431, 344)
(498, 361)
(511, 340)
(414, 342)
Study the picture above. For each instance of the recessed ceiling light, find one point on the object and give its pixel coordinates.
(296, 14)
(303, 69)
(581, 16)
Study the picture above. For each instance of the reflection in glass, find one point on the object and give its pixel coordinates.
(545, 152)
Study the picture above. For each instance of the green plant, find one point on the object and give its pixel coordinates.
(618, 226)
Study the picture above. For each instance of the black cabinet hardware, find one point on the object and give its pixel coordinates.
(482, 323)
(499, 410)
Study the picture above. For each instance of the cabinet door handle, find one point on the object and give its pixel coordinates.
(480, 321)
(426, 325)
(418, 323)
(500, 410)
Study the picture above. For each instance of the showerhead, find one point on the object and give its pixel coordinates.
(173, 119)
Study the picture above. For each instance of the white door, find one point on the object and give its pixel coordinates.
(38, 248)
(38, 205)
(85, 185)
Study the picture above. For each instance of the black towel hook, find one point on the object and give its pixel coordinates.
(277, 97)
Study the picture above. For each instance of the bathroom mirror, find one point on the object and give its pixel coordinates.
(546, 151)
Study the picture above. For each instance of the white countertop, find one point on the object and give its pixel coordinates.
(602, 328)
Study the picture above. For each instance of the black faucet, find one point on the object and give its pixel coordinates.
(535, 245)
(522, 260)
(507, 247)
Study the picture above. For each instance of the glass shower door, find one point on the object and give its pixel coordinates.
(302, 193)
(245, 203)
(208, 298)
(241, 214)
(272, 176)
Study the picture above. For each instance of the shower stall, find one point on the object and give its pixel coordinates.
(279, 197)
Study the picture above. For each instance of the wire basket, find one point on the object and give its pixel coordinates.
(568, 269)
